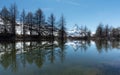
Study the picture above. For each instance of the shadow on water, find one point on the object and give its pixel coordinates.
(16, 54)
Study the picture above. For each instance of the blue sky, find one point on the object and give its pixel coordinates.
(81, 12)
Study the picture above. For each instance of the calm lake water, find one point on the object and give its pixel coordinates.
(69, 58)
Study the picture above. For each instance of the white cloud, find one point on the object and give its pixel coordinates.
(58, 0)
(47, 9)
(72, 2)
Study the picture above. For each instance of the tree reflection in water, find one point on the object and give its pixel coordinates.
(13, 54)
(106, 45)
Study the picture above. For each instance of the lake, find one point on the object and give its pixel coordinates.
(60, 58)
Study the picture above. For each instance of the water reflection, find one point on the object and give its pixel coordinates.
(79, 45)
(106, 45)
(30, 52)
(15, 55)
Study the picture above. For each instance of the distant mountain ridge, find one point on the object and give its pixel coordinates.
(75, 32)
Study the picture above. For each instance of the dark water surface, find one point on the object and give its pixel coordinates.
(70, 58)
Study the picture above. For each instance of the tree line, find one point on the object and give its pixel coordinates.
(34, 22)
(39, 26)
(102, 32)
(107, 32)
